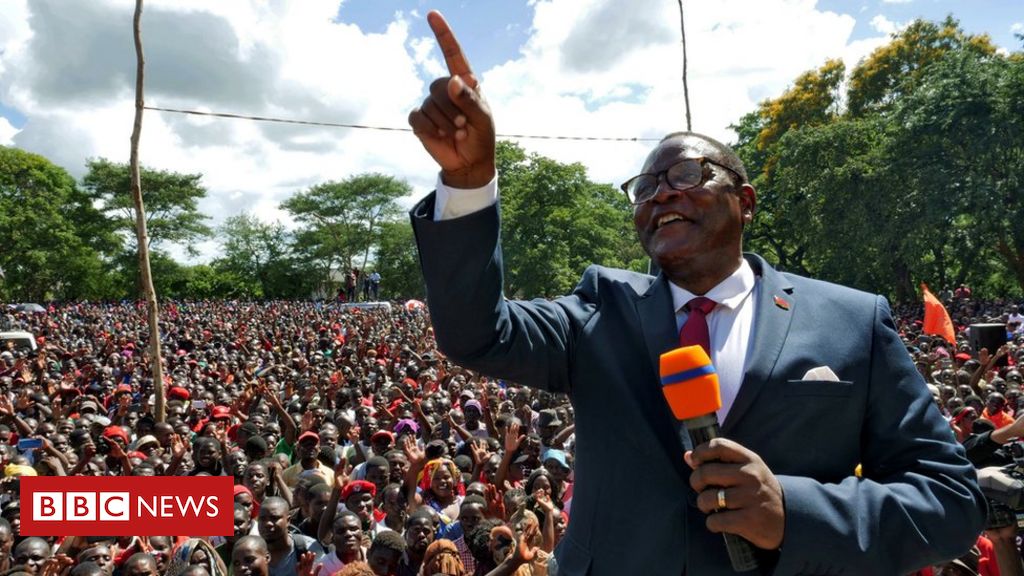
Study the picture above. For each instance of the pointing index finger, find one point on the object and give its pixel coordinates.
(457, 63)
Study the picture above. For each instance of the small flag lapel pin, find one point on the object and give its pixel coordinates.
(781, 303)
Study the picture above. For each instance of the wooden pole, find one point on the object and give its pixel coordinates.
(686, 86)
(156, 364)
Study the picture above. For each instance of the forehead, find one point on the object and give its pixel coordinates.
(246, 549)
(347, 522)
(678, 147)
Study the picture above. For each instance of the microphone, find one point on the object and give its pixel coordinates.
(690, 385)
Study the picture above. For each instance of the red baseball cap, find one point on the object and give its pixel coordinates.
(308, 434)
(358, 487)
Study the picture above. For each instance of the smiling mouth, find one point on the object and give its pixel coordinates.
(670, 218)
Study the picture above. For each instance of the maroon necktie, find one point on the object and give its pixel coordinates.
(695, 330)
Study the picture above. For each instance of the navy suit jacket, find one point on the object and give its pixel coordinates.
(633, 510)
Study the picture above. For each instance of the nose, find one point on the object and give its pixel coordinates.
(664, 192)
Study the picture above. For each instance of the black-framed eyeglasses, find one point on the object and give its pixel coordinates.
(683, 175)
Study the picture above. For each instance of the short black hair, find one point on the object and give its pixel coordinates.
(479, 540)
(261, 544)
(388, 540)
(87, 569)
(378, 462)
(346, 514)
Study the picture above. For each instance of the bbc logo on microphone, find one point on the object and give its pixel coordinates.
(122, 506)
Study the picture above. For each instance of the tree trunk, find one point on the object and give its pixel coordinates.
(142, 237)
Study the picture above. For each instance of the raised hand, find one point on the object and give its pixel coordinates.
(56, 565)
(513, 440)
(306, 423)
(454, 123)
(178, 447)
(116, 451)
(543, 500)
(478, 450)
(305, 566)
(341, 476)
(495, 502)
(353, 434)
(414, 453)
(524, 553)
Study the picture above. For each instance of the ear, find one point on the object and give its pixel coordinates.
(748, 203)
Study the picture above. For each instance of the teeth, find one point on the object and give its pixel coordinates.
(668, 218)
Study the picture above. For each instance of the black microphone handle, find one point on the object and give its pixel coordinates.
(741, 553)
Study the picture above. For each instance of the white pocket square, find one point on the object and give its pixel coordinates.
(821, 373)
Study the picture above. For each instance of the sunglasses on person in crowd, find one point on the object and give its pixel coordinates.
(683, 175)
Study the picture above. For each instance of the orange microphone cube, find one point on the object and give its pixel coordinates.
(690, 383)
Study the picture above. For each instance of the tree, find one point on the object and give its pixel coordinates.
(259, 255)
(896, 68)
(340, 220)
(172, 202)
(961, 148)
(50, 233)
(919, 179)
(813, 100)
(556, 222)
(398, 262)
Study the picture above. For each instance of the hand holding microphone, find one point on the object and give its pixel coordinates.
(741, 496)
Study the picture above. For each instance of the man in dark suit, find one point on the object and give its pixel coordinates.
(814, 378)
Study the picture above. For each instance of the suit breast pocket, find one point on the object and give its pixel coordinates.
(821, 388)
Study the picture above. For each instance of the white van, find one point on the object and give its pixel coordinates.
(22, 341)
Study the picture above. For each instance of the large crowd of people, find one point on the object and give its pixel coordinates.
(355, 446)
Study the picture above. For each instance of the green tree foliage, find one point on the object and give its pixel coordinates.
(398, 262)
(813, 100)
(260, 256)
(897, 68)
(171, 202)
(50, 233)
(340, 221)
(556, 222)
(919, 179)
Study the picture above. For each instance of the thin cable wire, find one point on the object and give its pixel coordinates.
(390, 128)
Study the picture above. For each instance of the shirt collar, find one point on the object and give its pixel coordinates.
(730, 292)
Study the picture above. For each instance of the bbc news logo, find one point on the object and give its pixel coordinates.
(127, 506)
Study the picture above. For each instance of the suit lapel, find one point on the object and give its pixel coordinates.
(658, 322)
(772, 317)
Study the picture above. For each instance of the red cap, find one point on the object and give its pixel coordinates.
(963, 357)
(122, 388)
(358, 487)
(382, 434)
(116, 431)
(308, 434)
(220, 413)
(178, 393)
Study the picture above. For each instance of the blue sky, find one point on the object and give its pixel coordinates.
(549, 67)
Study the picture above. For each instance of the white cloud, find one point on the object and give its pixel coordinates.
(1017, 27)
(897, 1)
(588, 67)
(7, 132)
(882, 24)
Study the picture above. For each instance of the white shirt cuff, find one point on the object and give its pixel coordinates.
(450, 203)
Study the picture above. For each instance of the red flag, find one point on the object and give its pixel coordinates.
(936, 318)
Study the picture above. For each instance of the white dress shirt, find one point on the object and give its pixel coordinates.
(730, 324)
